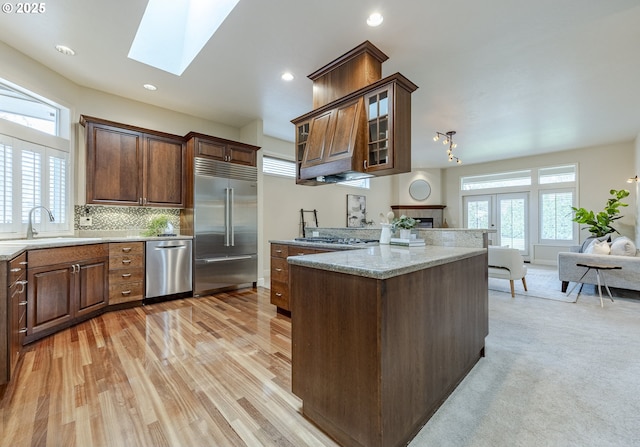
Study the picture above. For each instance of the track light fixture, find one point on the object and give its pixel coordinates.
(448, 140)
(633, 179)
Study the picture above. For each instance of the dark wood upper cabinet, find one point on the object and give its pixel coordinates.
(131, 166)
(163, 172)
(361, 124)
(200, 145)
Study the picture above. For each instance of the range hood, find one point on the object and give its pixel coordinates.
(335, 142)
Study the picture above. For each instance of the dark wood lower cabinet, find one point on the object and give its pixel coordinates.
(373, 359)
(61, 294)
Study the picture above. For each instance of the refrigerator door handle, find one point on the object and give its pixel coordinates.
(229, 258)
(227, 212)
(231, 224)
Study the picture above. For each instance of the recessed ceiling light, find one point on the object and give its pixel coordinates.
(65, 50)
(151, 87)
(287, 76)
(375, 19)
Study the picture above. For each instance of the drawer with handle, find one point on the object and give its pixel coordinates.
(124, 292)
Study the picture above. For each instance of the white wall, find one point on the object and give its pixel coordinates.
(601, 168)
(635, 189)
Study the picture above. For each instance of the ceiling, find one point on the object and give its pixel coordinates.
(512, 78)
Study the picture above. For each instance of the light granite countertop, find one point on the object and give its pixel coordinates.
(385, 261)
(12, 248)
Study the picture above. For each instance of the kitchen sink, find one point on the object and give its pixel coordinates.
(48, 240)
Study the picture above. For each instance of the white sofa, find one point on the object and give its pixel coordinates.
(507, 263)
(626, 278)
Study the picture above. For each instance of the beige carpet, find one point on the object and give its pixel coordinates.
(554, 375)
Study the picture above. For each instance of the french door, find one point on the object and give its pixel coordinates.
(508, 214)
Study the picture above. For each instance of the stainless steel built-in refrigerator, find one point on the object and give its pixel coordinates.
(225, 225)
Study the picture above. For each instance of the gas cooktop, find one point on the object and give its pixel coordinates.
(336, 240)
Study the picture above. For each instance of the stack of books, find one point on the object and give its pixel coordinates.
(407, 242)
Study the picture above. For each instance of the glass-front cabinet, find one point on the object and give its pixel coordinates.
(389, 127)
(378, 119)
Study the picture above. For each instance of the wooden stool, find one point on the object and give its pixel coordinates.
(597, 268)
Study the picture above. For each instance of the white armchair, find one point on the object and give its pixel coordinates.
(507, 263)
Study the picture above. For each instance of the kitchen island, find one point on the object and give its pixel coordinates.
(382, 335)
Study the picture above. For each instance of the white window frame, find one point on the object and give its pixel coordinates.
(16, 227)
(575, 228)
(21, 106)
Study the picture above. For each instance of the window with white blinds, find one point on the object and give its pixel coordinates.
(285, 168)
(33, 175)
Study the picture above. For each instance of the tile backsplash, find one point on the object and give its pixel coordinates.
(130, 219)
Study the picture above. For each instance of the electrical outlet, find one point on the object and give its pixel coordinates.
(86, 221)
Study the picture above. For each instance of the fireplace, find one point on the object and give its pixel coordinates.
(430, 216)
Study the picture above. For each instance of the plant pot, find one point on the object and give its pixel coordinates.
(405, 234)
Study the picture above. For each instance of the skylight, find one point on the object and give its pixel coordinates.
(172, 33)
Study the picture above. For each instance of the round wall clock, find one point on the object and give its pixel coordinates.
(419, 190)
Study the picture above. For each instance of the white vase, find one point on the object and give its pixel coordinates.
(405, 234)
(385, 234)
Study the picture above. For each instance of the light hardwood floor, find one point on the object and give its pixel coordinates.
(211, 371)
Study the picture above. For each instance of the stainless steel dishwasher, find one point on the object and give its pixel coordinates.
(168, 268)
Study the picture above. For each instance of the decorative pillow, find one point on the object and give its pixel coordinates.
(598, 247)
(588, 241)
(623, 246)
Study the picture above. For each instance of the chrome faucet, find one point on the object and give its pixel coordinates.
(32, 231)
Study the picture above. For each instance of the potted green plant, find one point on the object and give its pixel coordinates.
(404, 224)
(599, 224)
(157, 226)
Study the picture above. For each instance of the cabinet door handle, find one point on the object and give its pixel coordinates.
(364, 163)
(278, 251)
(23, 330)
(22, 303)
(126, 292)
(23, 263)
(15, 270)
(126, 249)
(144, 201)
(22, 285)
(139, 200)
(126, 275)
(278, 294)
(126, 261)
(278, 270)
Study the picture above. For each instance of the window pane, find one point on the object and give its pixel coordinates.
(6, 183)
(360, 183)
(555, 216)
(513, 223)
(478, 214)
(502, 180)
(31, 184)
(557, 174)
(21, 108)
(278, 166)
(58, 188)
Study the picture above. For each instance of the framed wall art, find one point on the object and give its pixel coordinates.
(356, 211)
